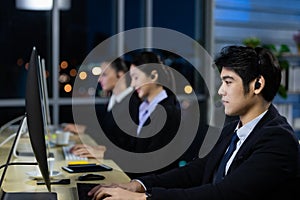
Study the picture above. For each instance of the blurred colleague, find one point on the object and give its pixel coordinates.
(113, 80)
(150, 79)
(159, 113)
(256, 156)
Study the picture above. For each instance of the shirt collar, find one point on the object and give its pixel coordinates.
(123, 94)
(246, 129)
(151, 106)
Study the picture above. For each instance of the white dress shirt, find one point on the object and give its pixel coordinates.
(243, 132)
(147, 108)
(118, 98)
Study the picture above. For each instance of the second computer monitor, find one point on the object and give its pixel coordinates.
(36, 116)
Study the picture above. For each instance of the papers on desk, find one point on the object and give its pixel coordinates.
(37, 174)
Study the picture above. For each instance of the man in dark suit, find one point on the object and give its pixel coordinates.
(264, 155)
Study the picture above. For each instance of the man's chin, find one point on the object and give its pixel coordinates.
(228, 113)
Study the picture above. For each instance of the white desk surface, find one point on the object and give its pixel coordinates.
(16, 179)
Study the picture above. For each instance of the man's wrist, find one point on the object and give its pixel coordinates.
(141, 187)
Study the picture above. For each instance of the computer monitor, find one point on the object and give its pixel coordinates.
(36, 116)
(37, 127)
(26, 149)
(44, 88)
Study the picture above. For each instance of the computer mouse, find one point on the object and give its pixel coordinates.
(90, 177)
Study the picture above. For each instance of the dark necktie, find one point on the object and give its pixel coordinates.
(221, 170)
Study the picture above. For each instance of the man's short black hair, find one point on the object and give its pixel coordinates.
(251, 63)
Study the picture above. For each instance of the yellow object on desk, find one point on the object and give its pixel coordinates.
(79, 162)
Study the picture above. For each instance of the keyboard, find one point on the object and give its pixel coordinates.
(70, 156)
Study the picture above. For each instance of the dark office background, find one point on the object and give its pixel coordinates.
(84, 26)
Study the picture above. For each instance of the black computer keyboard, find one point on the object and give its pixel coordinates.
(83, 189)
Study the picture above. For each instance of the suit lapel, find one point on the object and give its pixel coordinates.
(224, 140)
(218, 151)
(245, 149)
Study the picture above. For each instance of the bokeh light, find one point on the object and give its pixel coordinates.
(188, 89)
(68, 88)
(64, 65)
(96, 71)
(82, 75)
(73, 72)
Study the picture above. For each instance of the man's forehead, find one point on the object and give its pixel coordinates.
(228, 72)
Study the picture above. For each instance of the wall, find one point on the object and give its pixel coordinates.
(273, 22)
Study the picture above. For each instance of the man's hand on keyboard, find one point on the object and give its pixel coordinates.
(114, 192)
(87, 151)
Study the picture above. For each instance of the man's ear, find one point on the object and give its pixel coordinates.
(259, 84)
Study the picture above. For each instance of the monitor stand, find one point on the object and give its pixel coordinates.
(27, 195)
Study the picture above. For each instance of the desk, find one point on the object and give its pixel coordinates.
(16, 179)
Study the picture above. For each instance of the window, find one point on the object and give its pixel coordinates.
(81, 28)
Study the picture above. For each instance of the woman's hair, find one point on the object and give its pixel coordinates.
(119, 65)
(146, 57)
(251, 63)
(165, 75)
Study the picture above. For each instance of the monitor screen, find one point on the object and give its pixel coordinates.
(36, 118)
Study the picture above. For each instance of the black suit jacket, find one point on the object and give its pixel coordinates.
(152, 138)
(120, 123)
(159, 130)
(265, 167)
